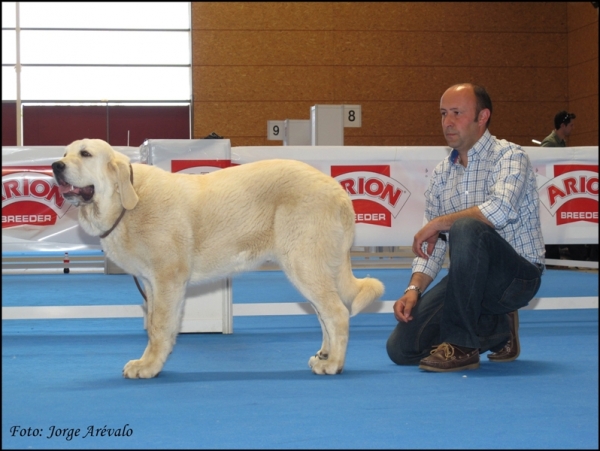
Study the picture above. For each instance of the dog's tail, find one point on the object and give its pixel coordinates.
(357, 294)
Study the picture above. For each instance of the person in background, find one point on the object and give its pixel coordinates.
(563, 127)
(563, 124)
(484, 197)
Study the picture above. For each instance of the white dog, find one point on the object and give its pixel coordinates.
(170, 229)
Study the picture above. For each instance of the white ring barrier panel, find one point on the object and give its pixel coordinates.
(386, 185)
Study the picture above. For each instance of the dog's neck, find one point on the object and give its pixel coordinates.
(90, 215)
(105, 234)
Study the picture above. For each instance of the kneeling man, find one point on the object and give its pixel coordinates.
(483, 202)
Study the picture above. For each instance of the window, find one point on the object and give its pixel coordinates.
(97, 53)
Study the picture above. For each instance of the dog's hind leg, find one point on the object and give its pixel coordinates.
(335, 324)
(318, 286)
(323, 353)
(165, 308)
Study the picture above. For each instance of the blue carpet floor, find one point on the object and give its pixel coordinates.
(253, 389)
(250, 287)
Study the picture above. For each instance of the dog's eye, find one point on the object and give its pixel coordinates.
(85, 153)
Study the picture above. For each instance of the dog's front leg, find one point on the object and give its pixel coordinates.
(323, 353)
(163, 319)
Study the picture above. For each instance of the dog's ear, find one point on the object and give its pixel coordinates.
(129, 198)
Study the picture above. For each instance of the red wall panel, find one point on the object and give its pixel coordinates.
(9, 124)
(61, 125)
(52, 125)
(147, 122)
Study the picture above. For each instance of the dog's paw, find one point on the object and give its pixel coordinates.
(140, 369)
(319, 364)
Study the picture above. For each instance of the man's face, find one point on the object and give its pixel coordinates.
(568, 128)
(461, 130)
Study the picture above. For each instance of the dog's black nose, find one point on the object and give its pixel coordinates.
(58, 167)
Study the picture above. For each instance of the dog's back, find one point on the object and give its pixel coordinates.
(236, 218)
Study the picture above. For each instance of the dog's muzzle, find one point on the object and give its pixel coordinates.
(67, 189)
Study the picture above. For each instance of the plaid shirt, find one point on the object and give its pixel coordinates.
(499, 179)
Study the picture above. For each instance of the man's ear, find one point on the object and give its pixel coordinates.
(484, 115)
(129, 198)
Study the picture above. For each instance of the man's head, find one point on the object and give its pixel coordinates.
(466, 112)
(563, 121)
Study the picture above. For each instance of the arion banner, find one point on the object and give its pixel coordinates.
(386, 184)
(35, 217)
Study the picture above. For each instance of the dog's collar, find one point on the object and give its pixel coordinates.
(105, 234)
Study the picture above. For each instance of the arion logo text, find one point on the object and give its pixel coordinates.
(376, 197)
(30, 196)
(572, 195)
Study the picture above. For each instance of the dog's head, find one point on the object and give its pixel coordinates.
(92, 168)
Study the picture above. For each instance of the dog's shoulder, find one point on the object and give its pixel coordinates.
(149, 180)
(143, 172)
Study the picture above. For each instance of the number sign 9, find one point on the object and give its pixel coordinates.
(275, 130)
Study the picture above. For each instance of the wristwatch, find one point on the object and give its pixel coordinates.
(415, 288)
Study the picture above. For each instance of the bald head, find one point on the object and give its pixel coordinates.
(463, 122)
(482, 98)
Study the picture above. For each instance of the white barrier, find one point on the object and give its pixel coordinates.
(386, 185)
(35, 217)
(190, 156)
(567, 179)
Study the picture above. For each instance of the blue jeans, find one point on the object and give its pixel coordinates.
(469, 307)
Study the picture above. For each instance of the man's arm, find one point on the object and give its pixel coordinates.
(429, 234)
(430, 231)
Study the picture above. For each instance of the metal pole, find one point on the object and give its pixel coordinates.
(18, 71)
(107, 124)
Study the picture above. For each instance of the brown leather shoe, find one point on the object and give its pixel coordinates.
(512, 348)
(447, 357)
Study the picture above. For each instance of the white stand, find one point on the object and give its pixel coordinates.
(207, 306)
(327, 125)
(297, 132)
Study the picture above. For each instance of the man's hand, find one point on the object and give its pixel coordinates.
(428, 234)
(404, 305)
